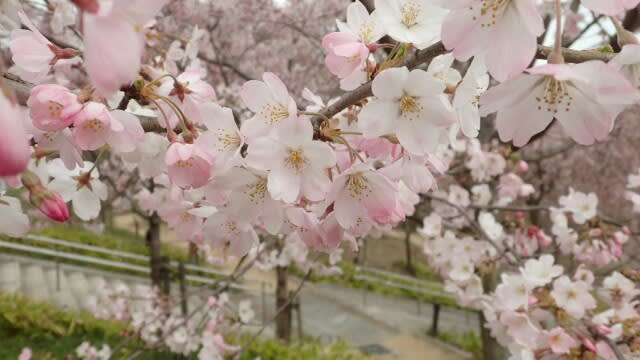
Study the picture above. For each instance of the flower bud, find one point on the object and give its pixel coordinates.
(544, 240)
(47, 201)
(522, 167)
(54, 206)
(90, 6)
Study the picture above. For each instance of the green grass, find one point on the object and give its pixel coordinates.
(115, 239)
(348, 278)
(53, 334)
(469, 342)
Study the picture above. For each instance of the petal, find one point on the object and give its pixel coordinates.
(86, 204)
(390, 83)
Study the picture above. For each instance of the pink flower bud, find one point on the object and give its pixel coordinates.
(212, 301)
(90, 6)
(604, 330)
(544, 240)
(54, 207)
(625, 230)
(49, 202)
(519, 215)
(522, 167)
(533, 231)
(533, 300)
(589, 345)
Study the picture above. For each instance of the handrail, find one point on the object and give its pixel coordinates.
(117, 253)
(75, 245)
(104, 262)
(400, 277)
(83, 258)
(403, 287)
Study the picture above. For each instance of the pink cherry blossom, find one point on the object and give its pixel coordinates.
(581, 206)
(52, 107)
(84, 191)
(32, 52)
(541, 271)
(14, 147)
(92, 126)
(114, 42)
(466, 100)
(523, 331)
(410, 104)
(573, 296)
(223, 136)
(345, 53)
(297, 165)
(249, 198)
(505, 32)
(610, 7)
(13, 222)
(25, 354)
(414, 21)
(189, 165)
(324, 235)
(189, 93)
(584, 98)
(362, 195)
(234, 236)
(271, 103)
(560, 342)
(61, 142)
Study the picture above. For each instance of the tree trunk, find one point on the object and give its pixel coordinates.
(491, 349)
(155, 250)
(283, 317)
(408, 250)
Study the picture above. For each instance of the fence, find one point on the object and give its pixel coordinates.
(431, 289)
(184, 273)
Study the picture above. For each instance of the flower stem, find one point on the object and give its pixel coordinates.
(555, 57)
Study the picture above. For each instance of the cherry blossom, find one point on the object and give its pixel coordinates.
(560, 342)
(114, 41)
(234, 236)
(297, 165)
(362, 197)
(493, 29)
(81, 186)
(612, 8)
(573, 296)
(584, 98)
(13, 222)
(271, 102)
(411, 21)
(32, 52)
(541, 271)
(411, 104)
(347, 50)
(52, 107)
(189, 165)
(223, 135)
(581, 206)
(14, 147)
(467, 97)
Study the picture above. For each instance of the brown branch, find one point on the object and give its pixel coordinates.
(575, 56)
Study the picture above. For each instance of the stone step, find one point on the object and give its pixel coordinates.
(10, 277)
(60, 288)
(34, 283)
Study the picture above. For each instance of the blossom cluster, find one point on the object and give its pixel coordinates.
(317, 173)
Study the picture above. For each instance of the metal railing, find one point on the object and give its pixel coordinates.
(419, 286)
(121, 265)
